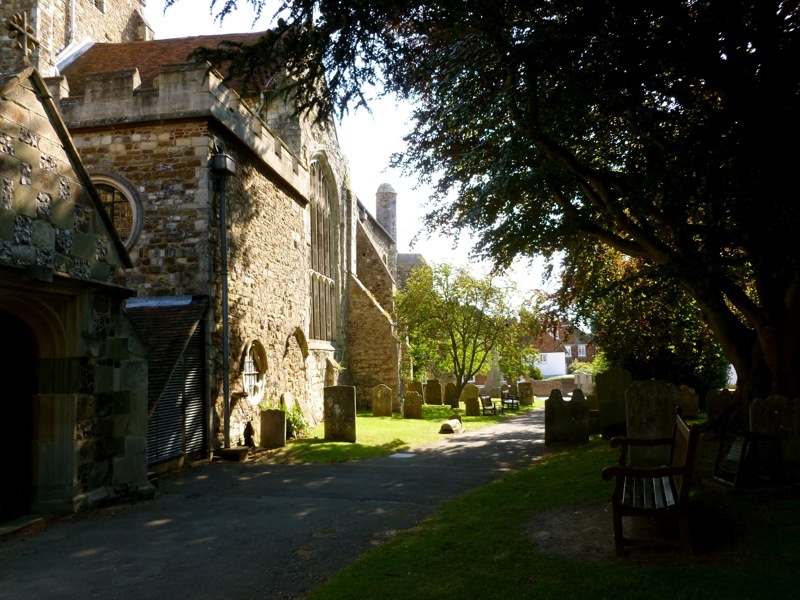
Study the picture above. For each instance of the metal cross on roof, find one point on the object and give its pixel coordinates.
(18, 25)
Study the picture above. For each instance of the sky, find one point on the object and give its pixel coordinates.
(368, 140)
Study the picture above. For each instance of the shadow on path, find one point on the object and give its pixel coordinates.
(247, 530)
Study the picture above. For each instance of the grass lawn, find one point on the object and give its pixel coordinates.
(479, 545)
(380, 435)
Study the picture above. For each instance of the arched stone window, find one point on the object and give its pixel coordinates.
(323, 263)
(122, 204)
(254, 371)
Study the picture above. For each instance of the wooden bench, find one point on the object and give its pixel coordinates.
(488, 406)
(661, 492)
(509, 401)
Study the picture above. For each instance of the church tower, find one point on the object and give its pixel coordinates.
(57, 30)
(386, 209)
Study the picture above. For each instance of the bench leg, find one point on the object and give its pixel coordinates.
(619, 538)
(686, 540)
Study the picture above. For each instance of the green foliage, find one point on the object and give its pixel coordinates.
(544, 126)
(535, 372)
(598, 365)
(645, 324)
(378, 436)
(459, 323)
(297, 424)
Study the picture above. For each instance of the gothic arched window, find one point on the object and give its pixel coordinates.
(322, 256)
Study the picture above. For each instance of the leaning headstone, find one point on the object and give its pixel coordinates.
(450, 395)
(651, 414)
(610, 388)
(689, 402)
(340, 413)
(525, 390)
(717, 402)
(381, 401)
(412, 405)
(566, 421)
(779, 417)
(433, 392)
(469, 397)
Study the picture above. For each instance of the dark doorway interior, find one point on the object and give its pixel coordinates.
(18, 359)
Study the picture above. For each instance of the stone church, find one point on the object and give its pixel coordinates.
(128, 265)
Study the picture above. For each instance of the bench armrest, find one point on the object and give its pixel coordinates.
(625, 442)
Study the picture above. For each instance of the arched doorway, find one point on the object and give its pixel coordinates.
(18, 360)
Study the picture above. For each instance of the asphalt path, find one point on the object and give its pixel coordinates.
(246, 530)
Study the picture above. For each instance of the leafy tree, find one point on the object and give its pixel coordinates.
(460, 321)
(644, 323)
(662, 129)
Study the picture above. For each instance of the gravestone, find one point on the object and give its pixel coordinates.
(433, 392)
(513, 388)
(585, 383)
(717, 402)
(469, 397)
(381, 401)
(779, 417)
(566, 421)
(450, 395)
(273, 428)
(414, 386)
(651, 414)
(412, 405)
(610, 388)
(525, 390)
(396, 404)
(689, 402)
(494, 392)
(339, 403)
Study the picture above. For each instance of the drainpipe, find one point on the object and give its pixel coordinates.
(222, 166)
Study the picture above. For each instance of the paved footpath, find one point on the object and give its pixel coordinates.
(247, 530)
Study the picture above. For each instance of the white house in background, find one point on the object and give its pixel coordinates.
(552, 364)
(562, 346)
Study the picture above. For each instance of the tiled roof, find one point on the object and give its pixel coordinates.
(148, 57)
(166, 329)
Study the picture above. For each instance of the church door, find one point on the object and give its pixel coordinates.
(18, 359)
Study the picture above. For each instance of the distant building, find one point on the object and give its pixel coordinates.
(562, 346)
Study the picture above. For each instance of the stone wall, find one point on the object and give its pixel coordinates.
(373, 350)
(98, 20)
(372, 269)
(165, 163)
(48, 222)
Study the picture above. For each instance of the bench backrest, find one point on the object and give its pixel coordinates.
(684, 446)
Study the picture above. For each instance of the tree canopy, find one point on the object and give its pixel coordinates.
(460, 324)
(663, 129)
(644, 323)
